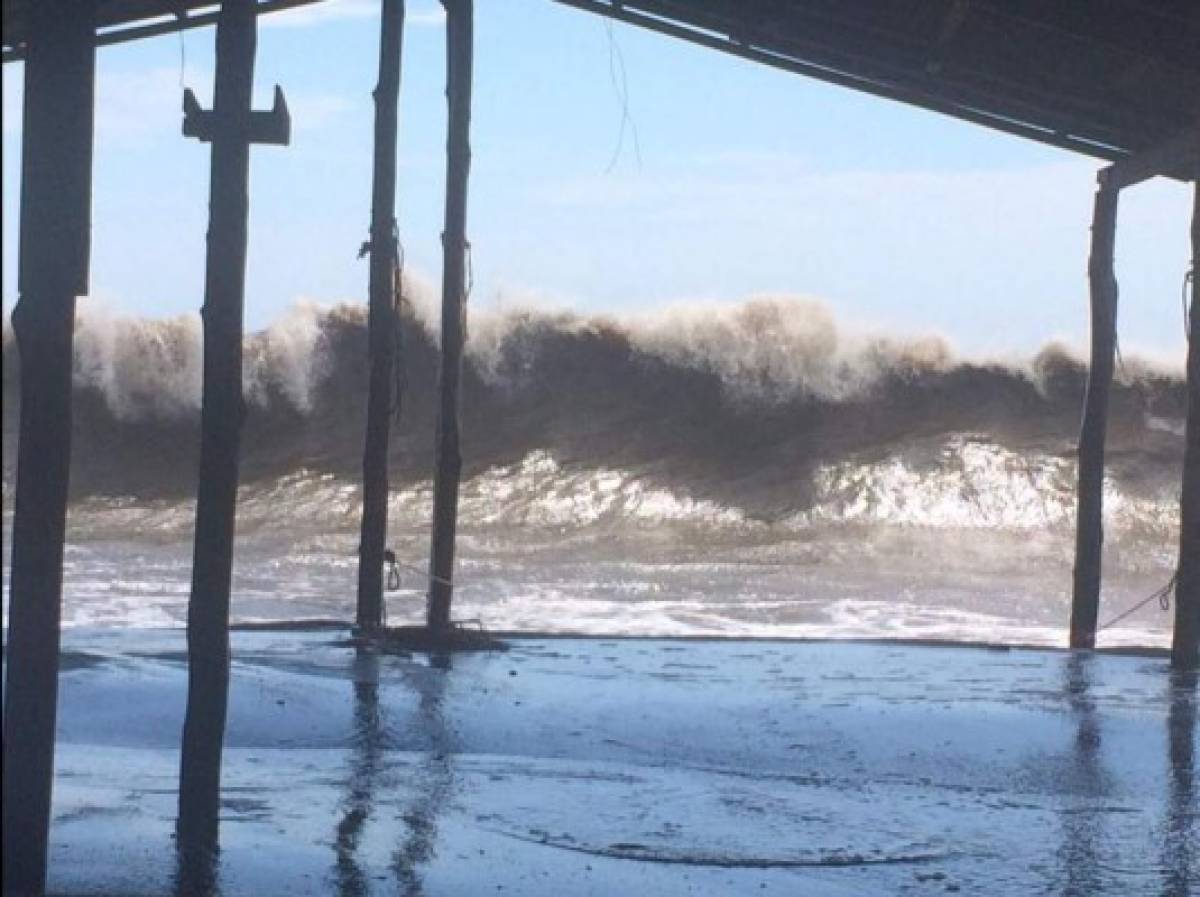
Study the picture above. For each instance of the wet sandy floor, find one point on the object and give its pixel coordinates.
(639, 767)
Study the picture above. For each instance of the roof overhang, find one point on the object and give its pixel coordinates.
(119, 21)
(1108, 78)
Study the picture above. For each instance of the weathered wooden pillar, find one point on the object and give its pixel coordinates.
(231, 127)
(1089, 522)
(381, 321)
(1185, 647)
(454, 245)
(55, 222)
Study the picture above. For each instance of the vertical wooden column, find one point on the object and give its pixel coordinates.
(221, 415)
(1089, 522)
(381, 321)
(55, 222)
(454, 244)
(1185, 646)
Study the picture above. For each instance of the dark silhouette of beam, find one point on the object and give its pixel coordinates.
(1185, 646)
(56, 191)
(382, 321)
(1089, 520)
(232, 128)
(454, 246)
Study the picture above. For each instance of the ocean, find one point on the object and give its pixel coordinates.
(752, 470)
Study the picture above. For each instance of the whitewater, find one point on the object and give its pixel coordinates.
(752, 470)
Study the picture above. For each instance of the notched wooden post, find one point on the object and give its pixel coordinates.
(454, 244)
(55, 224)
(1185, 645)
(1089, 536)
(381, 322)
(230, 127)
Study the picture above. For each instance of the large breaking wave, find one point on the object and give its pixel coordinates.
(751, 470)
(765, 411)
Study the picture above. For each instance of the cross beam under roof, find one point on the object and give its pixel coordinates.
(120, 21)
(1177, 158)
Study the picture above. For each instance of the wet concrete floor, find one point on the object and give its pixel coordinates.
(636, 767)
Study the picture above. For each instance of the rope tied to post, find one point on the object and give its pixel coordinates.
(1161, 595)
(395, 565)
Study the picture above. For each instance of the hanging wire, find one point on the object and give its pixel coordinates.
(182, 59)
(620, 84)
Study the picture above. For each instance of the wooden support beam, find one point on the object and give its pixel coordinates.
(382, 321)
(1185, 646)
(454, 247)
(126, 29)
(55, 223)
(1089, 522)
(1177, 158)
(221, 415)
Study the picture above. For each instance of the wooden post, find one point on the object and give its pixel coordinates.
(231, 127)
(55, 222)
(454, 246)
(1185, 647)
(381, 321)
(1089, 535)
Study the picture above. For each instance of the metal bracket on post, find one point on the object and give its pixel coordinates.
(273, 126)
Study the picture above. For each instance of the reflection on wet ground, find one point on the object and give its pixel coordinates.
(1181, 839)
(1082, 827)
(608, 767)
(366, 751)
(431, 779)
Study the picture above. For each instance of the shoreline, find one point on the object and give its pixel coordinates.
(319, 625)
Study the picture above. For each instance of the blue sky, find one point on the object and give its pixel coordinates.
(727, 180)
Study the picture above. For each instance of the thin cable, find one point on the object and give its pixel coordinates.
(182, 58)
(620, 84)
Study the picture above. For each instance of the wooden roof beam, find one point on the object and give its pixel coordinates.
(1177, 158)
(162, 25)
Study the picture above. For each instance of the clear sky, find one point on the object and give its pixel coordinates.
(614, 170)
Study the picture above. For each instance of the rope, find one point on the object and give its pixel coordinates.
(1162, 596)
(399, 371)
(470, 272)
(1189, 277)
(394, 573)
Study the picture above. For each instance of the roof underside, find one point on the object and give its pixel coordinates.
(1104, 77)
(118, 21)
